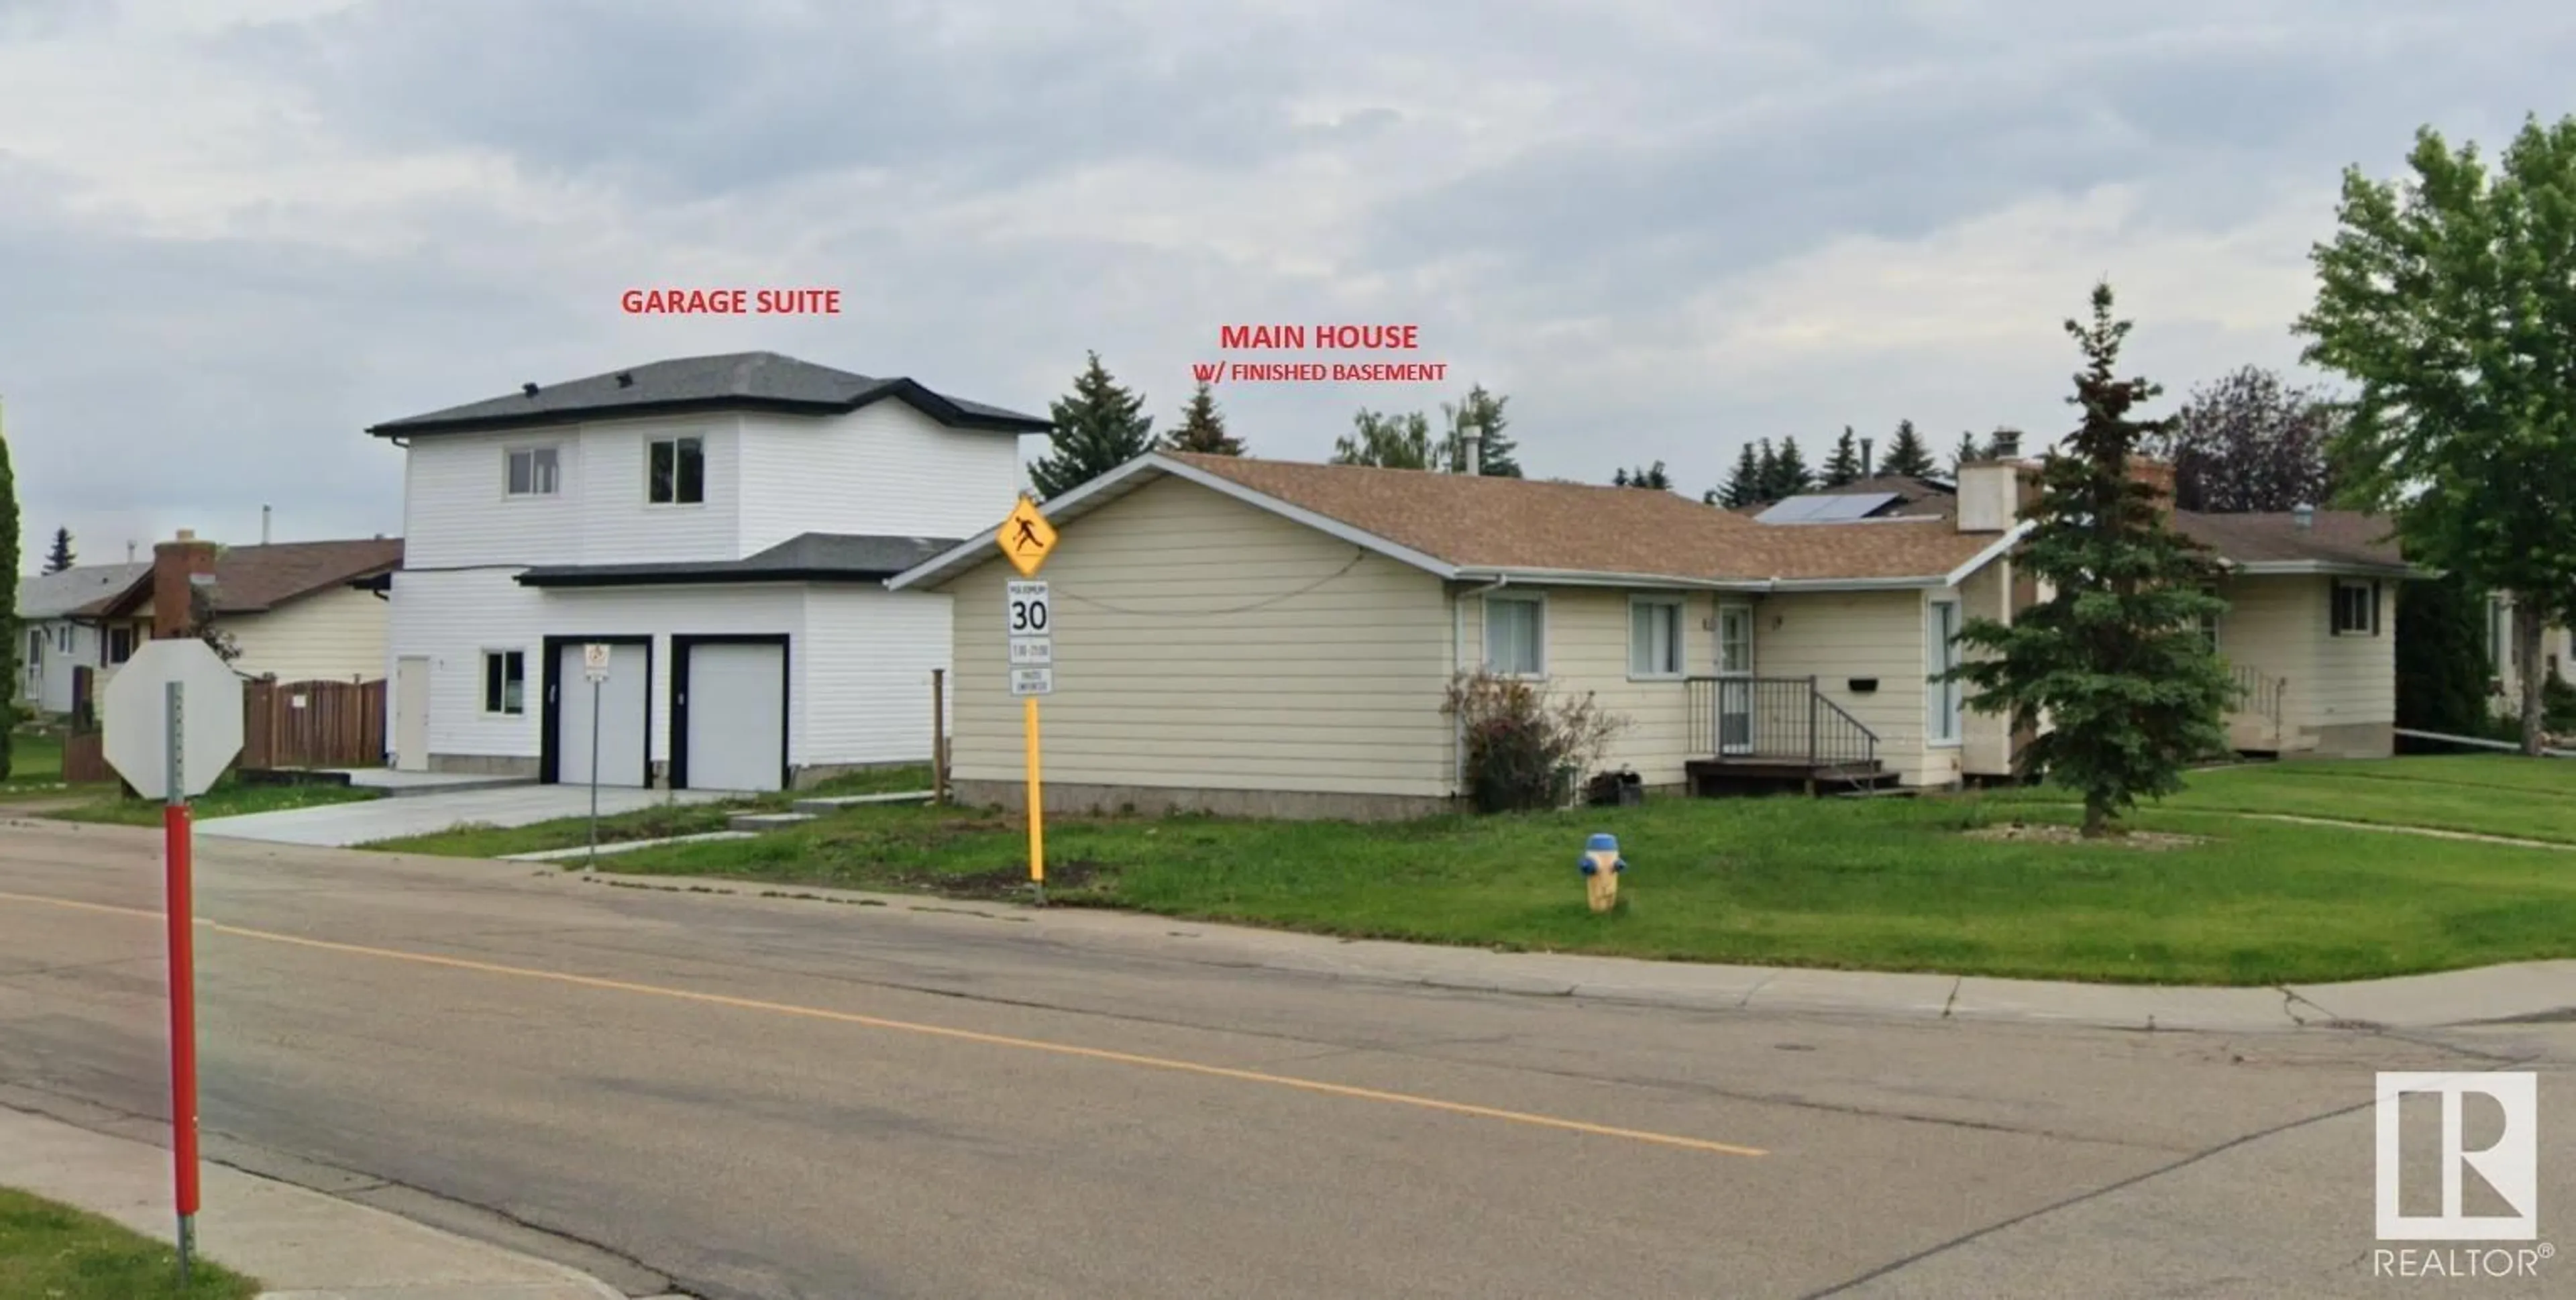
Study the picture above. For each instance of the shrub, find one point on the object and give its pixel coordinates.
(1525, 750)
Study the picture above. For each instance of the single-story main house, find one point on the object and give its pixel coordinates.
(1275, 638)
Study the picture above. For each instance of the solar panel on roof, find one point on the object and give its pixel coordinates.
(1850, 506)
(1826, 507)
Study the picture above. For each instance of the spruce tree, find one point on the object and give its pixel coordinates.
(1744, 486)
(1842, 468)
(1767, 477)
(1907, 457)
(1480, 411)
(1790, 475)
(2114, 658)
(9, 634)
(60, 557)
(1203, 427)
(1098, 428)
(1968, 452)
(1653, 476)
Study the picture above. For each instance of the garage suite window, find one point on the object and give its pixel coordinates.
(505, 682)
(1516, 635)
(678, 472)
(532, 472)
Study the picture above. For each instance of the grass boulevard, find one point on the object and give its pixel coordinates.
(2206, 895)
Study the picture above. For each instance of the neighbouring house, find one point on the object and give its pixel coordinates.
(1272, 638)
(294, 611)
(2504, 655)
(59, 630)
(723, 525)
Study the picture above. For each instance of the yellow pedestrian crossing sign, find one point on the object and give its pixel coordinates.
(1026, 537)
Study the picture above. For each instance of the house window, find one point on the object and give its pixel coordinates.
(1941, 651)
(679, 472)
(505, 681)
(1654, 637)
(35, 647)
(2356, 608)
(2209, 630)
(120, 644)
(534, 472)
(63, 638)
(1516, 636)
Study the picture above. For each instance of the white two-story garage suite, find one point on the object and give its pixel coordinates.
(725, 525)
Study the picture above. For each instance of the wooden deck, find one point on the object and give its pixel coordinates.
(1754, 772)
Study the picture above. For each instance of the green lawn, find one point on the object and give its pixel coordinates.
(1889, 884)
(2499, 794)
(49, 1252)
(655, 823)
(224, 800)
(34, 760)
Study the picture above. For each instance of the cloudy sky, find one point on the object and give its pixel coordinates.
(234, 234)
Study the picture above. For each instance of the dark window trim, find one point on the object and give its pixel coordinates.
(676, 479)
(496, 704)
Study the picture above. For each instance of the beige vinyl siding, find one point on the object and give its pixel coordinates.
(1986, 748)
(1587, 632)
(2271, 629)
(1332, 683)
(2355, 678)
(332, 635)
(1839, 636)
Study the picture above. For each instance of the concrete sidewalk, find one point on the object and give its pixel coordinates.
(2522, 991)
(301, 1244)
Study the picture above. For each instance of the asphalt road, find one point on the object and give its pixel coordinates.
(739, 1097)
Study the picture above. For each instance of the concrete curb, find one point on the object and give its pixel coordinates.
(2519, 992)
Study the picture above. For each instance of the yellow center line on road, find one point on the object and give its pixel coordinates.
(936, 1031)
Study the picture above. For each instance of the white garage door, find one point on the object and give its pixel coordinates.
(737, 702)
(621, 717)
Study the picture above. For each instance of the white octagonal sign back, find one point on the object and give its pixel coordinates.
(134, 717)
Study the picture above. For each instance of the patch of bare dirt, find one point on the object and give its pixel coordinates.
(2050, 833)
(1007, 882)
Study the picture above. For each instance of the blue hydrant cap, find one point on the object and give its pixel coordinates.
(1602, 844)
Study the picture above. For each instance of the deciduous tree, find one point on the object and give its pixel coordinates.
(2114, 660)
(2449, 300)
(2249, 442)
(1098, 427)
(1386, 441)
(1203, 427)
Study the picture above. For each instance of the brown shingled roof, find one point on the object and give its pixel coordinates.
(2335, 537)
(1506, 523)
(252, 579)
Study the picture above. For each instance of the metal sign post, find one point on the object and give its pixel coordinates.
(1026, 538)
(181, 913)
(594, 666)
(172, 722)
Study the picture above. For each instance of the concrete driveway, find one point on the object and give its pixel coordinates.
(343, 824)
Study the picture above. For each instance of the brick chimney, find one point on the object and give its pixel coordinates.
(2159, 475)
(179, 567)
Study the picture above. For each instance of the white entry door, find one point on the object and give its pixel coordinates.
(411, 714)
(621, 713)
(1735, 679)
(736, 697)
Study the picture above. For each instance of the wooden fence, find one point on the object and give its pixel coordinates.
(312, 724)
(85, 759)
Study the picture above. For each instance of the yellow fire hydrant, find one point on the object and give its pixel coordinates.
(1601, 866)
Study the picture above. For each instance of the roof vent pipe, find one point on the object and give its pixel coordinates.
(2304, 516)
(1865, 459)
(529, 389)
(1476, 451)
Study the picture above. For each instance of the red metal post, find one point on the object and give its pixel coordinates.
(183, 1010)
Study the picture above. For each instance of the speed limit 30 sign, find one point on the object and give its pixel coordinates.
(1031, 626)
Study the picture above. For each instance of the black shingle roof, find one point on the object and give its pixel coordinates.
(739, 381)
(808, 557)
